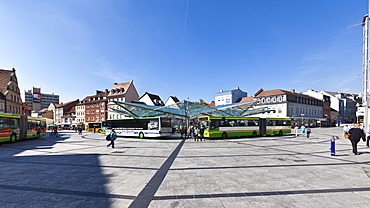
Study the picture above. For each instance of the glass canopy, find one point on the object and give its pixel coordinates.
(187, 110)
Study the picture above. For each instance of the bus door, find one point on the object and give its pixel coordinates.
(23, 123)
(262, 126)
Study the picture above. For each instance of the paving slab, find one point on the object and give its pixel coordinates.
(275, 171)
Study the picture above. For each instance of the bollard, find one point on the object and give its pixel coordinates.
(332, 146)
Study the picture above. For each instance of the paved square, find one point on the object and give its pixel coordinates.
(281, 171)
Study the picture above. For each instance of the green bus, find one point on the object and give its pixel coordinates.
(223, 127)
(15, 127)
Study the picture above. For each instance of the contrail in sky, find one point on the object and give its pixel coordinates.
(186, 18)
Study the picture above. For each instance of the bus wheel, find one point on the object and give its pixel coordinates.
(224, 135)
(12, 138)
(254, 134)
(141, 135)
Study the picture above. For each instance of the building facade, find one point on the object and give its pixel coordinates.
(95, 107)
(151, 99)
(9, 88)
(230, 96)
(301, 108)
(345, 104)
(2, 103)
(37, 100)
(123, 92)
(326, 105)
(171, 100)
(64, 114)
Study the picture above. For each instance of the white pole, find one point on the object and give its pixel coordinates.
(365, 71)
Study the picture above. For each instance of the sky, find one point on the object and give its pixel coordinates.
(191, 49)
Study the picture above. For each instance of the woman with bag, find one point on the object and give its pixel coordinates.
(355, 135)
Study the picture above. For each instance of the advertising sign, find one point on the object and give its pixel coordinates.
(36, 98)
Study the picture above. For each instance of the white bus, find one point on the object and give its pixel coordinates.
(140, 127)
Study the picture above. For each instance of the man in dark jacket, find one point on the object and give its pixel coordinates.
(355, 135)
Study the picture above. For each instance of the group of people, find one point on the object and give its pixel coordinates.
(192, 132)
(304, 131)
(355, 134)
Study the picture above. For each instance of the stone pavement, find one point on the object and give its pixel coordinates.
(281, 171)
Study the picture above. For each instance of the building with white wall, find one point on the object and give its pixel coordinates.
(230, 96)
(299, 107)
(151, 99)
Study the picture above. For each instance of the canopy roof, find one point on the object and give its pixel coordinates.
(187, 109)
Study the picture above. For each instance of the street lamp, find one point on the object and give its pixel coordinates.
(302, 117)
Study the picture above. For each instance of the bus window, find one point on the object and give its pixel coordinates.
(215, 124)
(224, 122)
(165, 122)
(232, 123)
(3, 123)
(252, 123)
(13, 123)
(241, 123)
(203, 123)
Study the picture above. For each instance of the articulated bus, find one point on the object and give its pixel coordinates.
(140, 127)
(15, 127)
(94, 127)
(223, 127)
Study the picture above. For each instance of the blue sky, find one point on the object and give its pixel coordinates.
(185, 48)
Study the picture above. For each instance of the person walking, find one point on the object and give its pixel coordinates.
(113, 136)
(308, 132)
(190, 131)
(181, 131)
(185, 130)
(355, 135)
(296, 130)
(201, 133)
(79, 130)
(55, 131)
(196, 132)
(303, 130)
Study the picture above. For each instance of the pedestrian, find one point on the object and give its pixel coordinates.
(55, 131)
(296, 130)
(79, 130)
(190, 131)
(355, 135)
(345, 132)
(308, 132)
(196, 132)
(113, 136)
(185, 131)
(181, 131)
(201, 133)
(303, 129)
